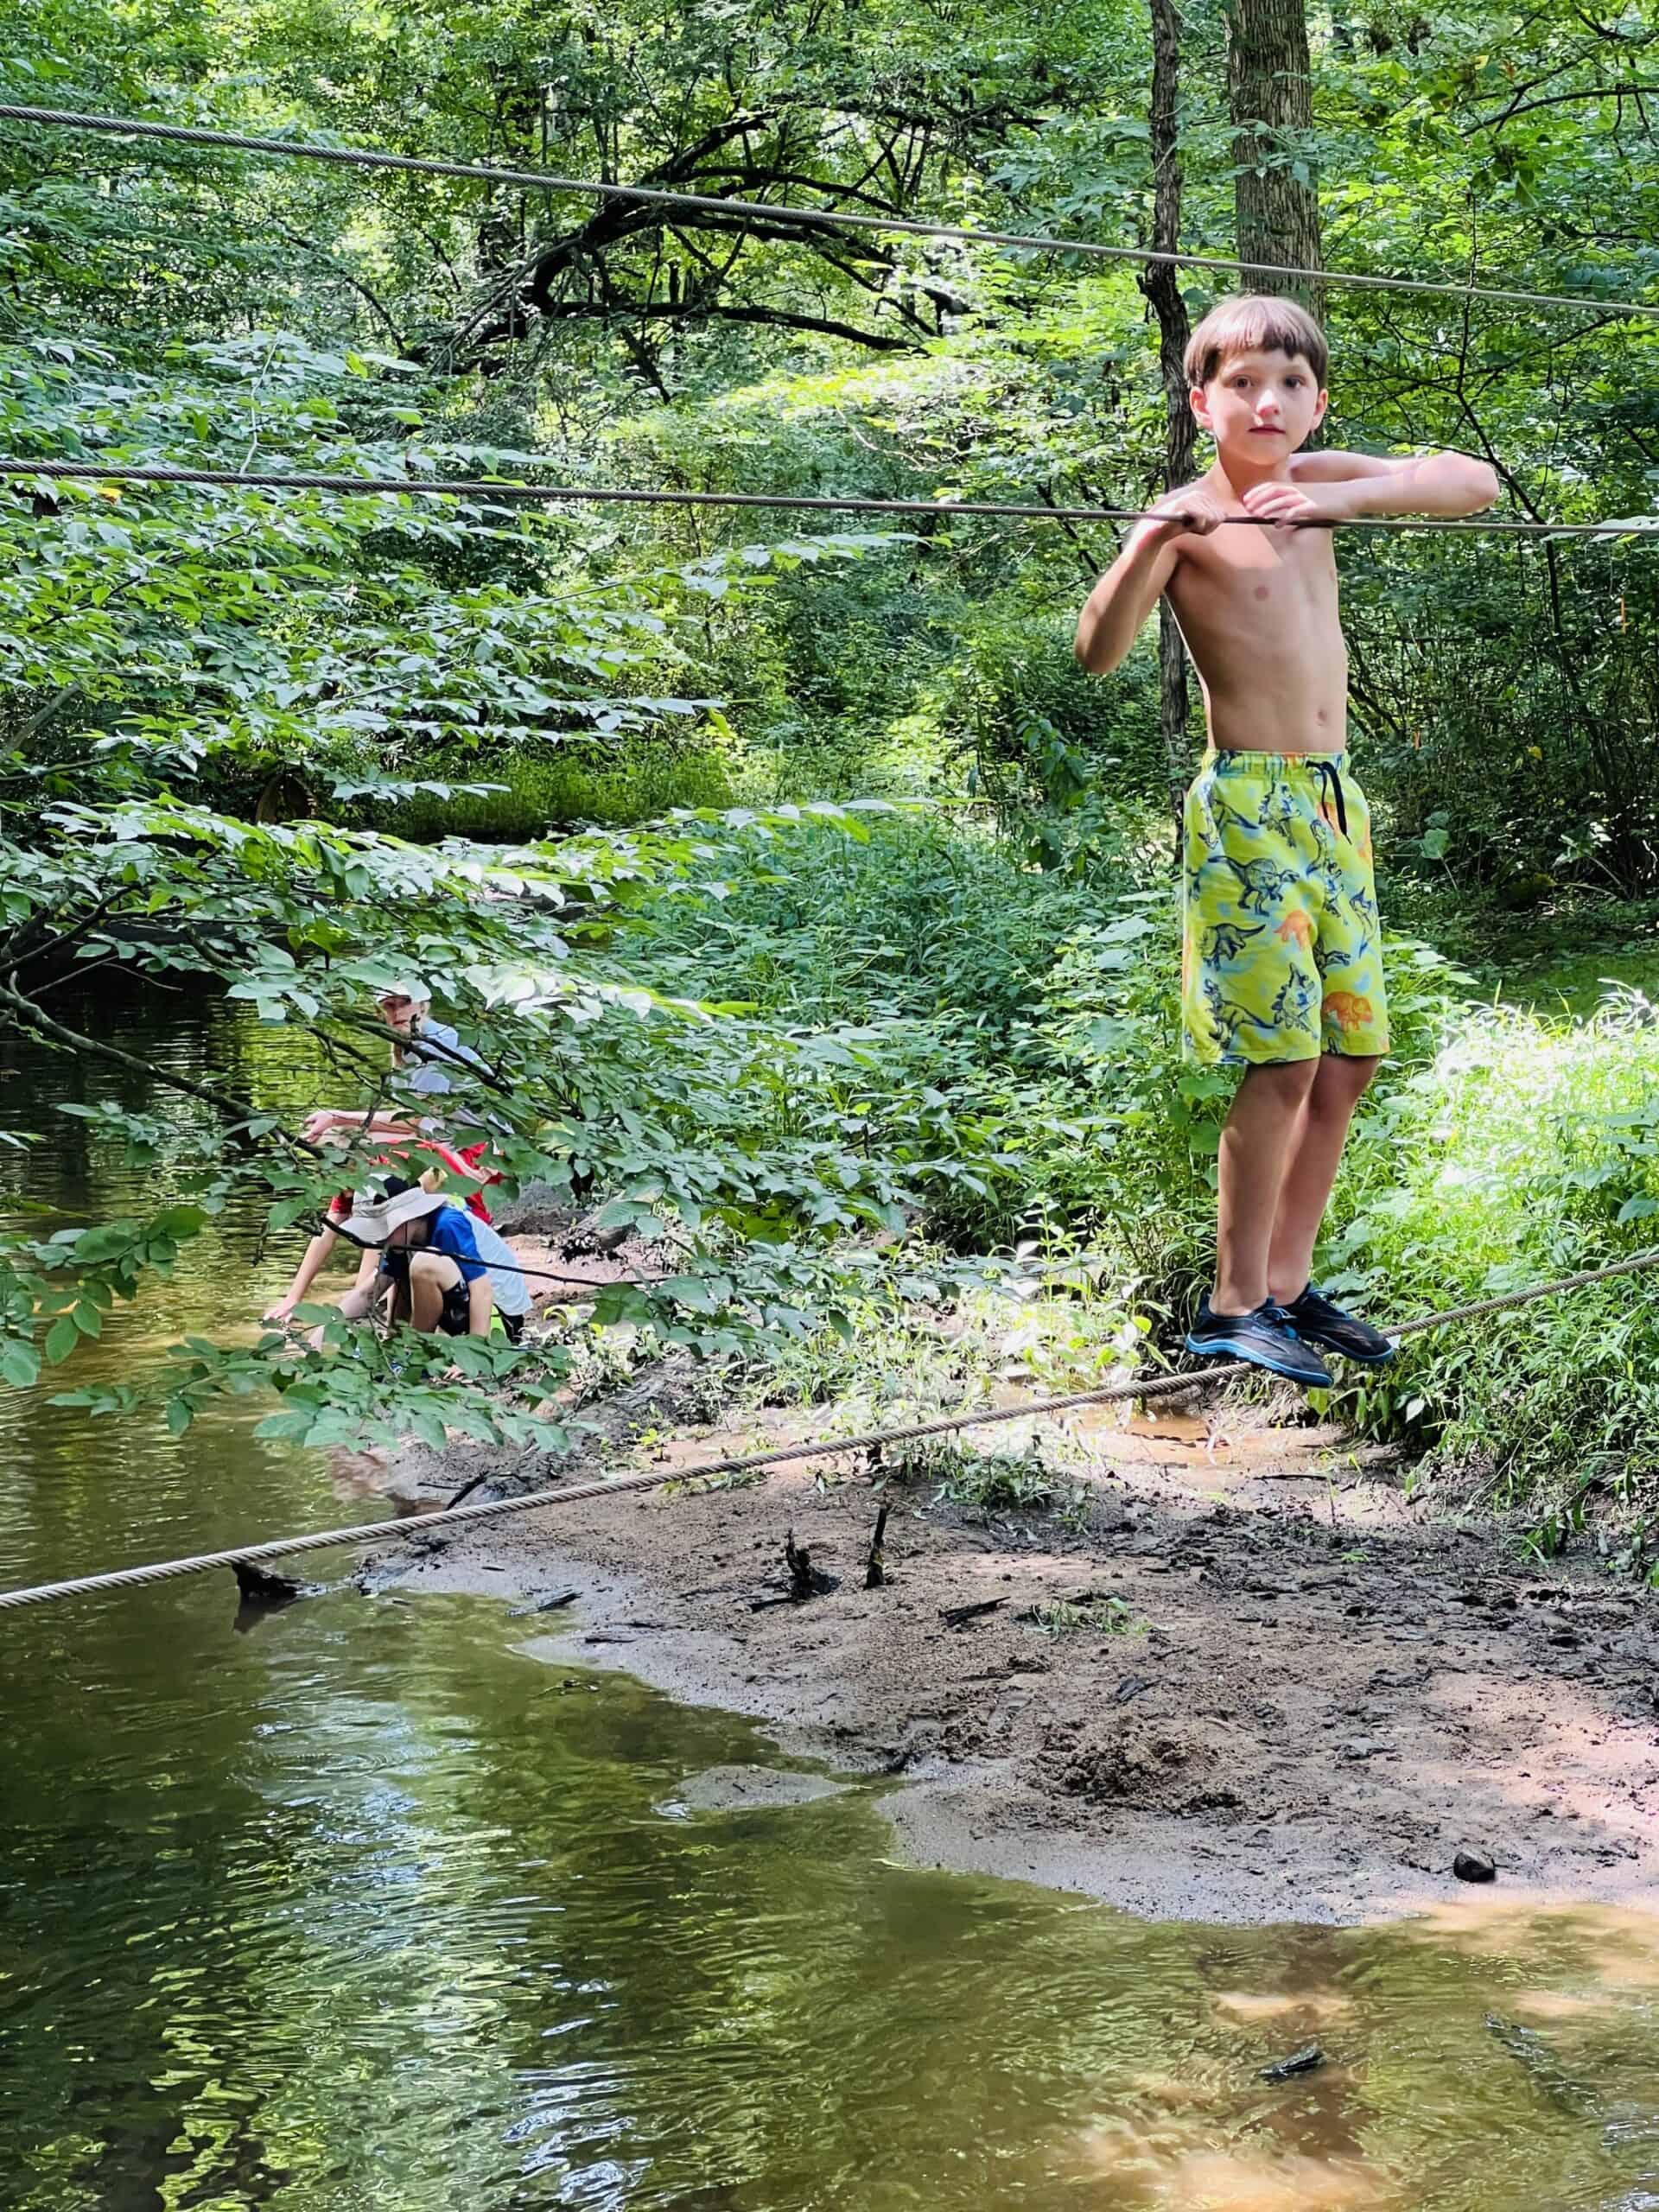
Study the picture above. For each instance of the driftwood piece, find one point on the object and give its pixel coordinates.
(875, 1567)
(1300, 2061)
(554, 1602)
(583, 1241)
(1529, 2049)
(961, 1616)
(805, 1580)
(258, 1586)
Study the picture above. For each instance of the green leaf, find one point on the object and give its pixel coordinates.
(290, 1428)
(20, 1365)
(61, 1338)
(178, 1222)
(111, 1240)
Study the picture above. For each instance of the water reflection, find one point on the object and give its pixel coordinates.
(386, 1905)
(378, 1909)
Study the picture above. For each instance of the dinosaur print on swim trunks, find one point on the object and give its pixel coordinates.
(1282, 947)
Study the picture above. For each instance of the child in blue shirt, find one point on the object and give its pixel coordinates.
(430, 1260)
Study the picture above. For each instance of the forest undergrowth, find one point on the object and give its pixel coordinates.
(1029, 1021)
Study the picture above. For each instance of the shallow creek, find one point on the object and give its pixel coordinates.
(380, 1902)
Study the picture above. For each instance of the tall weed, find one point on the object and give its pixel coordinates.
(540, 797)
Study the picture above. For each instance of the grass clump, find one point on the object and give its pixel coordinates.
(541, 796)
(979, 1482)
(1092, 1612)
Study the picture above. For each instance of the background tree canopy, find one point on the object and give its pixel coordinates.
(795, 887)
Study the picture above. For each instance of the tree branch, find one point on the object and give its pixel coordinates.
(710, 311)
(1559, 99)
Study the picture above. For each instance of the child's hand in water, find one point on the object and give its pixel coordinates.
(281, 1312)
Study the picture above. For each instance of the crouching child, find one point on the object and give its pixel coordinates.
(430, 1268)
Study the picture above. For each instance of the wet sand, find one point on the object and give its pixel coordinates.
(1321, 1694)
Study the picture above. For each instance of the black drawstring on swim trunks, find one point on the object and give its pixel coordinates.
(1333, 782)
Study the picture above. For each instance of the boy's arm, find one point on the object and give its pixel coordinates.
(1341, 487)
(480, 1303)
(329, 1120)
(357, 1300)
(1132, 586)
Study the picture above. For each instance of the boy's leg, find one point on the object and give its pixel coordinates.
(1251, 995)
(1255, 1154)
(1354, 1037)
(1315, 1150)
(431, 1276)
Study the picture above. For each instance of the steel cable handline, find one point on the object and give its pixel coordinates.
(133, 1578)
(809, 217)
(440, 487)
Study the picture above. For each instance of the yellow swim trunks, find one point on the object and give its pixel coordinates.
(1281, 951)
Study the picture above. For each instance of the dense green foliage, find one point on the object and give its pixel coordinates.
(293, 748)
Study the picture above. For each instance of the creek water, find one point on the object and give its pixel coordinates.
(366, 1905)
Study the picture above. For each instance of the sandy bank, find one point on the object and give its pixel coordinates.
(1320, 1695)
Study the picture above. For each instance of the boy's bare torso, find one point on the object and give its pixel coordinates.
(1257, 607)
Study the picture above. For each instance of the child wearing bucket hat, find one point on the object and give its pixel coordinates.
(428, 1258)
(458, 1172)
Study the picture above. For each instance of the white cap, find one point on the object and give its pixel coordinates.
(417, 993)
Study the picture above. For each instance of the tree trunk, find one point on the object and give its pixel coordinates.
(1270, 95)
(1160, 282)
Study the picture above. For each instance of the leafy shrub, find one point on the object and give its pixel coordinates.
(1524, 1149)
(1017, 675)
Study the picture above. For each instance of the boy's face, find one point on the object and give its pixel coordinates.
(1261, 406)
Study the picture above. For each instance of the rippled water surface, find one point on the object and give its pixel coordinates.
(368, 1906)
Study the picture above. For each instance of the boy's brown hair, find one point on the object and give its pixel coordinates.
(1255, 322)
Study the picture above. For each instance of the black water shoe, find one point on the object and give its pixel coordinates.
(1317, 1321)
(1265, 1337)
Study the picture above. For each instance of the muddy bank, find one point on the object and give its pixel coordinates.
(1271, 1689)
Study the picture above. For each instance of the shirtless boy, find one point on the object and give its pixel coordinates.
(1282, 967)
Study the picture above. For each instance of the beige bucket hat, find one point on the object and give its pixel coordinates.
(373, 1221)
